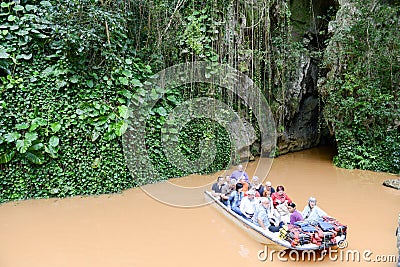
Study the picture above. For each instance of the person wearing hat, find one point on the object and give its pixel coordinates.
(248, 205)
(295, 216)
(268, 190)
(312, 212)
(257, 185)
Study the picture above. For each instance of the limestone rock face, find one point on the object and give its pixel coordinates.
(298, 111)
(303, 123)
(302, 113)
(302, 120)
(245, 137)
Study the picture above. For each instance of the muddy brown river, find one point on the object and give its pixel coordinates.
(133, 229)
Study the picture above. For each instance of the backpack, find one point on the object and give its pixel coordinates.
(296, 236)
(338, 227)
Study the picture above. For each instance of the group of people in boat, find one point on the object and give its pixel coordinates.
(262, 204)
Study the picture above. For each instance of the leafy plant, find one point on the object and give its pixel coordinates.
(27, 141)
(362, 104)
(112, 122)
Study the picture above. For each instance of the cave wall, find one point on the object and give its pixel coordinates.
(303, 125)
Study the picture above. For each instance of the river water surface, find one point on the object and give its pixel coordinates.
(132, 229)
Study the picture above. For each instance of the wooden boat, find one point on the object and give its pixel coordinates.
(272, 240)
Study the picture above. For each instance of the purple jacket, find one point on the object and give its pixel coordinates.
(237, 174)
(295, 216)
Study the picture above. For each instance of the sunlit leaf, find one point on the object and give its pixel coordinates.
(31, 136)
(110, 135)
(47, 71)
(36, 123)
(121, 127)
(18, 8)
(51, 151)
(173, 130)
(35, 158)
(55, 126)
(23, 145)
(7, 156)
(90, 83)
(24, 56)
(11, 18)
(3, 53)
(11, 137)
(54, 141)
(126, 93)
(41, 35)
(74, 79)
(14, 27)
(95, 135)
(154, 95)
(5, 4)
(172, 98)
(37, 146)
(123, 111)
(45, 3)
(30, 7)
(137, 83)
(123, 80)
(127, 73)
(22, 126)
(162, 111)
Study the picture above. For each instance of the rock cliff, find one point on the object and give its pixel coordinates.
(303, 124)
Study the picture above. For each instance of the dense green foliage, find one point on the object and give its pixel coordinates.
(68, 71)
(189, 139)
(362, 90)
(65, 87)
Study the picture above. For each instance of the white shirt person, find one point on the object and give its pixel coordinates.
(248, 204)
(312, 212)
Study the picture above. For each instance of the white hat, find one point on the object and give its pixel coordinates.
(251, 192)
(312, 199)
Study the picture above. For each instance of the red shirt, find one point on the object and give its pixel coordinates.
(275, 196)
